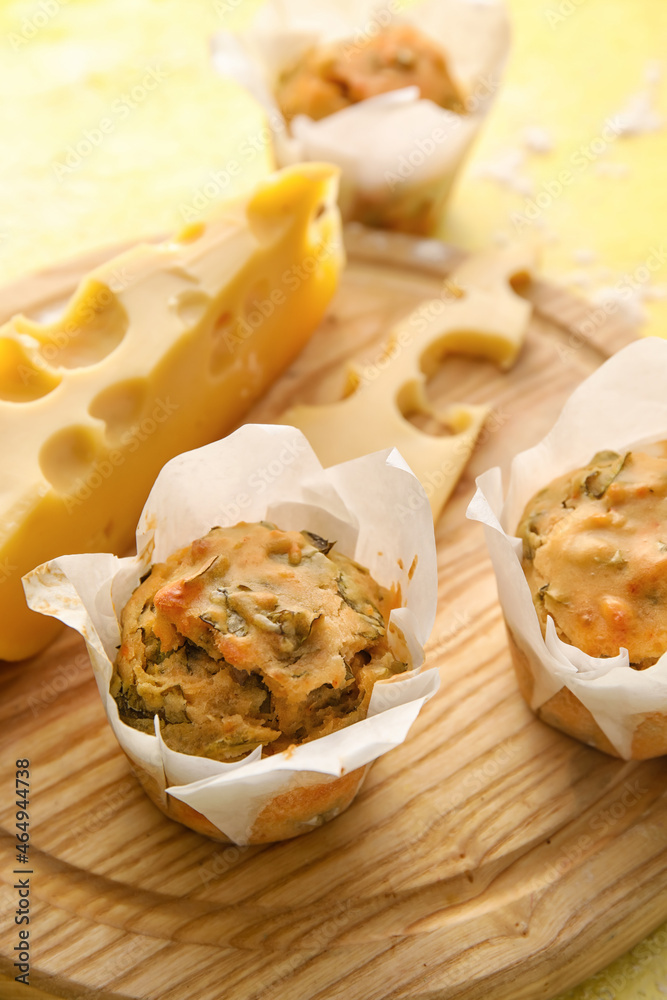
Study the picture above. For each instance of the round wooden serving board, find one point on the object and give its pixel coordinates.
(488, 856)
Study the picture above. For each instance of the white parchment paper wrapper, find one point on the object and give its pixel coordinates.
(623, 405)
(261, 473)
(398, 154)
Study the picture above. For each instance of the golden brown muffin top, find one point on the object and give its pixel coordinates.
(595, 555)
(331, 77)
(252, 636)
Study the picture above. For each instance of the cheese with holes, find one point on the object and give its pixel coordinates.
(160, 350)
(480, 314)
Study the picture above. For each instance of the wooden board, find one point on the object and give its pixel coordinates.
(487, 856)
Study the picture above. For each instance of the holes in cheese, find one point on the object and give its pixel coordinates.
(410, 398)
(121, 407)
(191, 233)
(93, 326)
(224, 336)
(414, 405)
(471, 341)
(321, 210)
(257, 302)
(68, 456)
(21, 378)
(191, 306)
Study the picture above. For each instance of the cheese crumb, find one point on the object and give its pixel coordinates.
(538, 139)
(583, 255)
(639, 114)
(506, 169)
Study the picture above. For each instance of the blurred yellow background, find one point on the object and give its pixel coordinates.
(113, 126)
(576, 65)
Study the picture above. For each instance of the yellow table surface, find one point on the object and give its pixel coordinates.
(113, 126)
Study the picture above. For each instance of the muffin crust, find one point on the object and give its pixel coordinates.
(595, 555)
(252, 636)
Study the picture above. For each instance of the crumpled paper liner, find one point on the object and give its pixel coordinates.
(398, 154)
(263, 473)
(601, 701)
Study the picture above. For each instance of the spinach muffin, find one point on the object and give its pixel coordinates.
(252, 637)
(595, 555)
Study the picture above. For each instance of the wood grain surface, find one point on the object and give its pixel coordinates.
(488, 856)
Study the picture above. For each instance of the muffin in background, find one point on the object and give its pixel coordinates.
(328, 78)
(394, 97)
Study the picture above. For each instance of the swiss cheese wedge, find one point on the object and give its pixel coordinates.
(160, 350)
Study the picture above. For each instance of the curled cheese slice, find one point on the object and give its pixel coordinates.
(480, 315)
